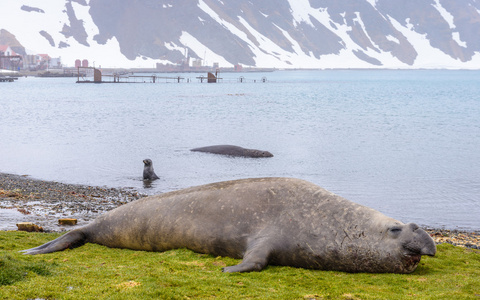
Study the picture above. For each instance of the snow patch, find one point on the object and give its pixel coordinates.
(2, 71)
(258, 45)
(230, 27)
(201, 50)
(359, 20)
(300, 11)
(386, 58)
(82, 13)
(456, 38)
(444, 13)
(409, 25)
(448, 17)
(428, 57)
(296, 47)
(391, 38)
(263, 58)
(346, 58)
(372, 2)
(174, 47)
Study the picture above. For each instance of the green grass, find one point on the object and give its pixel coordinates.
(94, 271)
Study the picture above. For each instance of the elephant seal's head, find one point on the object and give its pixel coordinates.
(402, 246)
(379, 245)
(258, 153)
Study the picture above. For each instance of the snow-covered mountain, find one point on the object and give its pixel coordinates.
(278, 33)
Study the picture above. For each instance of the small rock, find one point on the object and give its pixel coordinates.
(67, 221)
(23, 211)
(29, 227)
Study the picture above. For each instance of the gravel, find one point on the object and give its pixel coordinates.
(23, 199)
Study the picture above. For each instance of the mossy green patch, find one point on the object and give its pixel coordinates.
(13, 270)
(94, 271)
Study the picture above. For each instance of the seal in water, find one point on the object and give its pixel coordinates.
(233, 151)
(279, 221)
(148, 173)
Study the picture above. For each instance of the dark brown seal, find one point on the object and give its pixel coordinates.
(233, 151)
(280, 221)
(148, 173)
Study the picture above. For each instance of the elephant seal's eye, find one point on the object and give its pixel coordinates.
(395, 230)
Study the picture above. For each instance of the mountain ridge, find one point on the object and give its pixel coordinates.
(280, 34)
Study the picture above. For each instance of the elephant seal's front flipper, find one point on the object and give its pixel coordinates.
(73, 239)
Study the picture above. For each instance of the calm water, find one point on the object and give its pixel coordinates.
(406, 143)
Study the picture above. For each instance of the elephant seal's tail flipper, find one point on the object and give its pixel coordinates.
(73, 239)
(255, 259)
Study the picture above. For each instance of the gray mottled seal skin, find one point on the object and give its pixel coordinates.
(233, 151)
(280, 221)
(148, 173)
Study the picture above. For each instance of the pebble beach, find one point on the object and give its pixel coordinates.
(23, 199)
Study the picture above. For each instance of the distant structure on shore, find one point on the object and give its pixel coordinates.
(196, 65)
(81, 63)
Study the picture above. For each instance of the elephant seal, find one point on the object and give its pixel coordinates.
(233, 151)
(279, 221)
(148, 173)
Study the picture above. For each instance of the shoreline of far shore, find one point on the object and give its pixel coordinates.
(24, 199)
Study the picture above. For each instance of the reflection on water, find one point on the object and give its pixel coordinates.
(9, 218)
(403, 142)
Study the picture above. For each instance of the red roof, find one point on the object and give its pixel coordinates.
(4, 48)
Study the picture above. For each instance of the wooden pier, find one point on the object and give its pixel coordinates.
(7, 79)
(85, 76)
(93, 75)
(140, 79)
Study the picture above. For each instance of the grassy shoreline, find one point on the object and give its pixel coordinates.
(94, 271)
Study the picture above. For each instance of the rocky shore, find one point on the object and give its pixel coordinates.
(23, 199)
(456, 237)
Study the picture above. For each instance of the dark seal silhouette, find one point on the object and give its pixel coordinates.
(279, 221)
(148, 173)
(233, 151)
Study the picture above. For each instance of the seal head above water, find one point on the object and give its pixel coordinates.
(233, 151)
(148, 173)
(279, 221)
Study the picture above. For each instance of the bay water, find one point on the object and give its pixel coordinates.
(404, 142)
